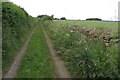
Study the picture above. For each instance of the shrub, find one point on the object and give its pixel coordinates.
(63, 18)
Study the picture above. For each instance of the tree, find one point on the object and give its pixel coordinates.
(56, 18)
(45, 17)
(97, 19)
(52, 17)
(40, 16)
(63, 18)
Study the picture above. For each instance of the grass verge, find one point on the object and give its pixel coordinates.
(36, 62)
(84, 57)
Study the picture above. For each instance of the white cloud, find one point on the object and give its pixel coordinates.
(76, 9)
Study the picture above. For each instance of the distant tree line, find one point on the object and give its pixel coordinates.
(47, 17)
(62, 18)
(97, 19)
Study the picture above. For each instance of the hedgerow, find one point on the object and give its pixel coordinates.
(16, 25)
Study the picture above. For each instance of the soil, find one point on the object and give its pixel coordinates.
(14, 66)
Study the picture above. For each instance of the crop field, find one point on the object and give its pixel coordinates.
(88, 48)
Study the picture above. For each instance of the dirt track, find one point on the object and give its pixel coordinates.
(61, 70)
(13, 68)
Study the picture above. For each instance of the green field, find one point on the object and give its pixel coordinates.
(85, 57)
(36, 62)
(111, 26)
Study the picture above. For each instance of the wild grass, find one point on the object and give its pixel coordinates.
(84, 57)
(36, 62)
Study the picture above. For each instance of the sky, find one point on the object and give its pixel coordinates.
(71, 9)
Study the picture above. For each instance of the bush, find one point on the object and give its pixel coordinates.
(63, 18)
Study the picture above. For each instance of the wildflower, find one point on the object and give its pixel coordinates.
(71, 31)
(86, 48)
(106, 44)
(67, 34)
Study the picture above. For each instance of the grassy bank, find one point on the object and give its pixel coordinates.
(84, 57)
(36, 62)
(16, 26)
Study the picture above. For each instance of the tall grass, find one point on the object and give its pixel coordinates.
(84, 57)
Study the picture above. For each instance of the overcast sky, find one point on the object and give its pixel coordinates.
(71, 9)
